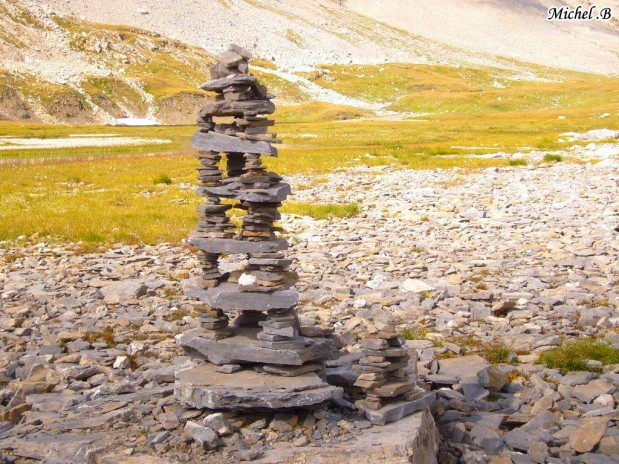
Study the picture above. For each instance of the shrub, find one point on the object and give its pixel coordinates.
(517, 162)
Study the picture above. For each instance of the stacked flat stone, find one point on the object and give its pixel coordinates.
(386, 378)
(265, 339)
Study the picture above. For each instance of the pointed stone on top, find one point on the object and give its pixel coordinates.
(241, 51)
(230, 59)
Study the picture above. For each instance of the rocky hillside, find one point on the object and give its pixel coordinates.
(57, 69)
(296, 33)
(86, 62)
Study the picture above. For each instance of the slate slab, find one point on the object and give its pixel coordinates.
(236, 108)
(396, 410)
(228, 297)
(118, 292)
(414, 439)
(243, 347)
(232, 246)
(233, 79)
(204, 387)
(212, 141)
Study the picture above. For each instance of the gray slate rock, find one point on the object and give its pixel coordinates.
(118, 292)
(212, 141)
(204, 387)
(233, 246)
(228, 298)
(243, 348)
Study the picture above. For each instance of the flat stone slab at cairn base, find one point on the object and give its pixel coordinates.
(243, 347)
(224, 143)
(229, 245)
(414, 439)
(228, 297)
(204, 387)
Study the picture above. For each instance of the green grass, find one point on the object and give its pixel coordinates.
(572, 355)
(115, 199)
(552, 158)
(321, 211)
(162, 179)
(447, 89)
(179, 136)
(518, 162)
(496, 353)
(123, 194)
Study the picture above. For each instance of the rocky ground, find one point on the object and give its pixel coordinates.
(520, 257)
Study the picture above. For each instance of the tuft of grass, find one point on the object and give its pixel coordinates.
(162, 179)
(552, 158)
(178, 315)
(496, 353)
(321, 211)
(107, 335)
(518, 162)
(572, 355)
(416, 334)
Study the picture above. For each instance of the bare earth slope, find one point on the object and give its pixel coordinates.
(297, 32)
(512, 28)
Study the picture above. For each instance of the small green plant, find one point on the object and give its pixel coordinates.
(417, 249)
(496, 353)
(572, 355)
(424, 219)
(518, 162)
(552, 158)
(162, 179)
(416, 334)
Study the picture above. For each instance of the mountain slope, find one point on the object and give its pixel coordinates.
(65, 70)
(291, 33)
(56, 68)
(295, 33)
(516, 29)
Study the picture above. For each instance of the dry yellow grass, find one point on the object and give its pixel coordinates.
(120, 195)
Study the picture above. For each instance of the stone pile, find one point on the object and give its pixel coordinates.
(265, 359)
(387, 379)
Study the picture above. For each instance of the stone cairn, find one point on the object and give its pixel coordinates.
(387, 378)
(264, 358)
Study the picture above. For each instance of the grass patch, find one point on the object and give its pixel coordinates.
(321, 211)
(572, 355)
(518, 162)
(115, 200)
(548, 158)
(107, 335)
(162, 179)
(496, 353)
(416, 334)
